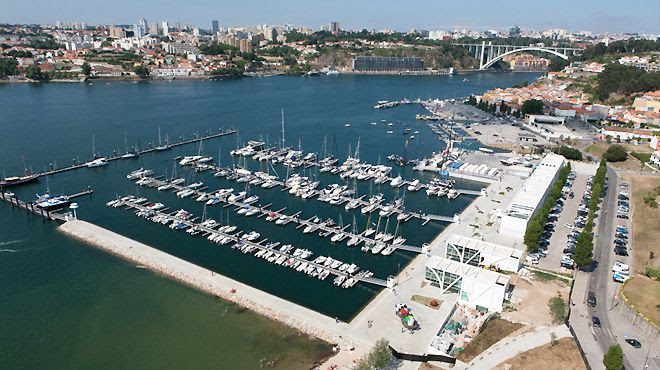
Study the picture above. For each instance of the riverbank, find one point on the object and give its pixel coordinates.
(290, 314)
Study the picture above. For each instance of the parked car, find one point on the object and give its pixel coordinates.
(620, 242)
(595, 321)
(634, 342)
(621, 251)
(591, 299)
(620, 267)
(622, 215)
(567, 264)
(619, 277)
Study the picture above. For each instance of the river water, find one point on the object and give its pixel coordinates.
(72, 306)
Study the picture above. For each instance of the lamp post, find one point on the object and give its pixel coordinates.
(73, 207)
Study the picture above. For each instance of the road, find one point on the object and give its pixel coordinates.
(614, 327)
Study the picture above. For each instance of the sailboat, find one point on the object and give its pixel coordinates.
(96, 162)
(160, 146)
(131, 154)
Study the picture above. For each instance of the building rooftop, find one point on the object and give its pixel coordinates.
(484, 246)
(528, 198)
(467, 271)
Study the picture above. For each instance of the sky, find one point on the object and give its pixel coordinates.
(576, 15)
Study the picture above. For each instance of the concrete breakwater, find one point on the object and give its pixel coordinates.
(307, 321)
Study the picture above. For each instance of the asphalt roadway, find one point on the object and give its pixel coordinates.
(614, 328)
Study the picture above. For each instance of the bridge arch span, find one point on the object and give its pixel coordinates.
(502, 56)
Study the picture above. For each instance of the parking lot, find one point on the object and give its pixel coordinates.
(622, 233)
(566, 213)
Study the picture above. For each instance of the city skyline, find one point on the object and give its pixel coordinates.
(641, 16)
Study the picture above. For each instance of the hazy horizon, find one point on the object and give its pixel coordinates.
(641, 16)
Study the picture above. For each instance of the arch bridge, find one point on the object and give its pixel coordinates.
(489, 54)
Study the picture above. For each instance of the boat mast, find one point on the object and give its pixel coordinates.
(283, 129)
(93, 148)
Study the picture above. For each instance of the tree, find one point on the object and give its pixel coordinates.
(613, 358)
(8, 67)
(378, 358)
(532, 106)
(33, 72)
(86, 69)
(141, 71)
(616, 153)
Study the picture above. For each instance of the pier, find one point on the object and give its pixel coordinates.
(263, 211)
(196, 139)
(30, 207)
(231, 175)
(254, 245)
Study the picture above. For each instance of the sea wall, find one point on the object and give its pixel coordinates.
(288, 313)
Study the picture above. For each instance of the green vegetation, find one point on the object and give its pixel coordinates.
(557, 309)
(598, 51)
(613, 358)
(557, 64)
(584, 246)
(642, 157)
(650, 199)
(215, 48)
(8, 67)
(111, 57)
(378, 358)
(540, 217)
(568, 152)
(616, 153)
(281, 51)
(47, 43)
(86, 69)
(625, 80)
(532, 106)
(33, 72)
(227, 72)
(492, 332)
(652, 272)
(141, 71)
(19, 54)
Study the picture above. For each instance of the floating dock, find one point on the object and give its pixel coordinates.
(12, 199)
(220, 133)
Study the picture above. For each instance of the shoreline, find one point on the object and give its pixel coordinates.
(290, 314)
(253, 75)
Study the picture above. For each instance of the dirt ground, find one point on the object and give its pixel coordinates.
(493, 331)
(530, 298)
(644, 294)
(632, 163)
(646, 232)
(564, 355)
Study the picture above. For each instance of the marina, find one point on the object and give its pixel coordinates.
(278, 291)
(346, 275)
(381, 243)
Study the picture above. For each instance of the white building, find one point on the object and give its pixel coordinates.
(531, 196)
(171, 72)
(476, 287)
(534, 119)
(479, 253)
(655, 158)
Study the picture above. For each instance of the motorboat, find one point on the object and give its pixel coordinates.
(98, 162)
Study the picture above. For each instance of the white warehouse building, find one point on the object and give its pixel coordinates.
(531, 196)
(476, 287)
(479, 253)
